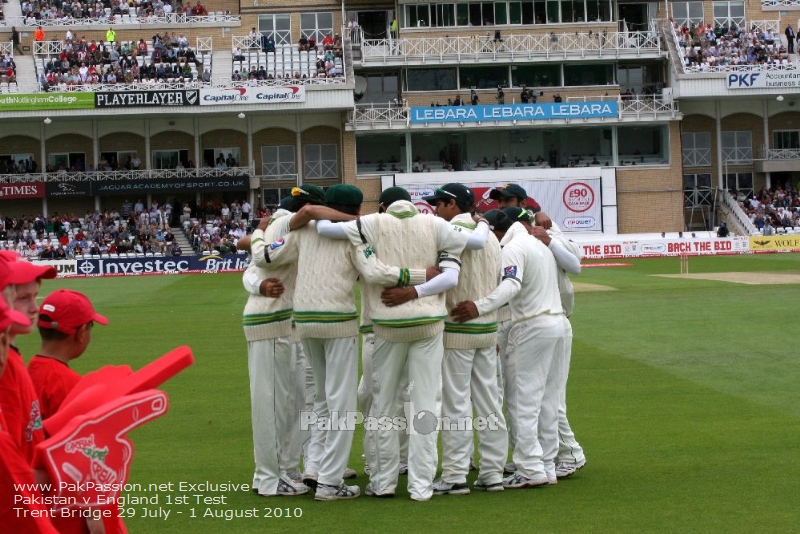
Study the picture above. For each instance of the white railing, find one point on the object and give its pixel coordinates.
(151, 174)
(139, 86)
(737, 212)
(6, 48)
(779, 153)
(565, 45)
(780, 4)
(204, 45)
(127, 20)
(245, 42)
(650, 107)
(277, 177)
(763, 25)
(371, 114)
(703, 69)
(281, 82)
(47, 48)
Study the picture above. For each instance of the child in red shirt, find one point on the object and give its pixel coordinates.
(65, 324)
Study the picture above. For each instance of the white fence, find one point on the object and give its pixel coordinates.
(128, 20)
(151, 174)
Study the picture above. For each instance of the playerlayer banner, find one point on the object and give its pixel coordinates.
(46, 101)
(125, 187)
(511, 112)
(21, 190)
(573, 204)
(161, 97)
(252, 95)
(775, 243)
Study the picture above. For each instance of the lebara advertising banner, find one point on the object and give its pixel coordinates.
(252, 95)
(511, 112)
(573, 204)
(46, 101)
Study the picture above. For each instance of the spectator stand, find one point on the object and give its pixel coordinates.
(8, 69)
(260, 63)
(138, 18)
(706, 49)
(59, 69)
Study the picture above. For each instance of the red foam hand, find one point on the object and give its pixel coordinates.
(111, 383)
(90, 457)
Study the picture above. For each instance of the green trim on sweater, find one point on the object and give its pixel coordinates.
(324, 317)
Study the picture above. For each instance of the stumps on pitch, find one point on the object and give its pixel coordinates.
(684, 264)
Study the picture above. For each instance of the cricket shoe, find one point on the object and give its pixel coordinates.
(349, 473)
(310, 479)
(510, 468)
(403, 469)
(482, 486)
(518, 481)
(440, 487)
(371, 493)
(293, 475)
(566, 469)
(336, 493)
(287, 488)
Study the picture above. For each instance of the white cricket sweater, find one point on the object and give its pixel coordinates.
(478, 277)
(403, 236)
(268, 318)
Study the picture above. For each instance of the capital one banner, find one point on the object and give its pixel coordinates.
(574, 204)
(252, 95)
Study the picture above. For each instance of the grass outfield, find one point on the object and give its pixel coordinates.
(683, 393)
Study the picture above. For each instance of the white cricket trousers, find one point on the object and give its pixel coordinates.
(272, 401)
(569, 450)
(298, 439)
(505, 371)
(335, 366)
(366, 394)
(424, 360)
(532, 346)
(472, 373)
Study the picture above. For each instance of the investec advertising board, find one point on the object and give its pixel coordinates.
(252, 95)
(780, 79)
(149, 265)
(511, 112)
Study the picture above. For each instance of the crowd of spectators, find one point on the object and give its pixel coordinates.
(708, 48)
(306, 59)
(167, 58)
(771, 209)
(8, 69)
(106, 10)
(219, 226)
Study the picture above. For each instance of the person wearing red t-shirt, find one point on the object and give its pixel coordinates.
(16, 475)
(65, 324)
(18, 400)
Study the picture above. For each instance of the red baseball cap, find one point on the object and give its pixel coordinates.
(14, 269)
(9, 316)
(66, 311)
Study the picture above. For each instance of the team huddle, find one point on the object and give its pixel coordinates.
(461, 316)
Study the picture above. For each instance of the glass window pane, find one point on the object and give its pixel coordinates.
(641, 144)
(483, 77)
(462, 14)
(500, 13)
(431, 79)
(515, 12)
(587, 74)
(541, 75)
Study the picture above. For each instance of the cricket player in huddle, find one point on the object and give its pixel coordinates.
(529, 284)
(410, 333)
(326, 318)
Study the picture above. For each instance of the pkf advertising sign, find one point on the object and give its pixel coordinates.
(113, 99)
(21, 190)
(778, 79)
(512, 112)
(573, 204)
(252, 95)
